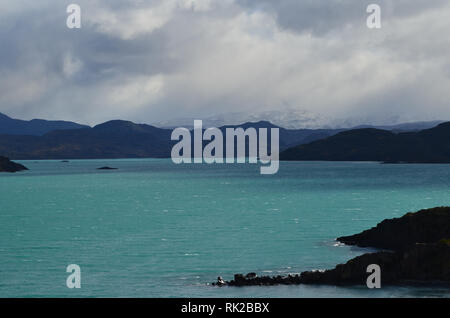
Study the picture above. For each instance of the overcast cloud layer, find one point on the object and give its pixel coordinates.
(148, 61)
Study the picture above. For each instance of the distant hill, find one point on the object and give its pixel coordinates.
(35, 127)
(290, 137)
(406, 127)
(113, 139)
(426, 146)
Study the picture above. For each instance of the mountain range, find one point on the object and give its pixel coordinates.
(123, 139)
(38, 139)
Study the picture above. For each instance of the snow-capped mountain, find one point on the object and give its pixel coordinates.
(291, 119)
(300, 119)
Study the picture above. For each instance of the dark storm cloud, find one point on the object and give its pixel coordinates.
(149, 60)
(37, 49)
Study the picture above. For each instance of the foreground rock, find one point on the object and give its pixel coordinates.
(7, 165)
(420, 254)
(422, 264)
(425, 226)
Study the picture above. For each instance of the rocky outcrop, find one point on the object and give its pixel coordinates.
(418, 264)
(7, 165)
(106, 168)
(425, 226)
(240, 280)
(423, 264)
(420, 254)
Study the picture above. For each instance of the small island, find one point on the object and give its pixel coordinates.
(106, 168)
(7, 165)
(416, 251)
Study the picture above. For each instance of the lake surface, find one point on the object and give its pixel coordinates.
(154, 229)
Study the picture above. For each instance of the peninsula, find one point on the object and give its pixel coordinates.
(416, 251)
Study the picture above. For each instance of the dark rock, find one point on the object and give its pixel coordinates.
(239, 279)
(419, 264)
(425, 226)
(106, 168)
(220, 282)
(252, 279)
(7, 165)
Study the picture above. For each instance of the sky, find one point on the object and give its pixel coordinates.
(149, 61)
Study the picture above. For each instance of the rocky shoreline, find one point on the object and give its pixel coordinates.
(7, 165)
(418, 254)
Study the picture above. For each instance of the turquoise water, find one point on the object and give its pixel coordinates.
(154, 229)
